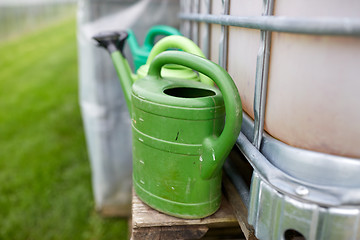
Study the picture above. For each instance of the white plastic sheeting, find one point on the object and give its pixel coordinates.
(105, 116)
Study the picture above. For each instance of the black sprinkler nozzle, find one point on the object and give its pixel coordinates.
(111, 40)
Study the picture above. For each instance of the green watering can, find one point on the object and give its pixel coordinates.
(180, 136)
(173, 70)
(140, 54)
(170, 70)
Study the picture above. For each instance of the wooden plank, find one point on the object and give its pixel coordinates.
(174, 232)
(144, 216)
(122, 211)
(148, 223)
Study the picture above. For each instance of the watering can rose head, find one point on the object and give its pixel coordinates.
(111, 40)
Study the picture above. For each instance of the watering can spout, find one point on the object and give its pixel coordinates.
(114, 43)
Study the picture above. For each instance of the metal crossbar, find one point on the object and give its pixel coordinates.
(314, 26)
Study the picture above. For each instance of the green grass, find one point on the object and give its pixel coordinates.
(45, 177)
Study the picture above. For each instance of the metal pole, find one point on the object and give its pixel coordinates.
(206, 36)
(261, 78)
(195, 25)
(314, 26)
(223, 44)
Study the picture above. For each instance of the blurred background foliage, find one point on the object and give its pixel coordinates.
(45, 190)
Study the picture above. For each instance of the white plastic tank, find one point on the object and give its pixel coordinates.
(313, 95)
(313, 99)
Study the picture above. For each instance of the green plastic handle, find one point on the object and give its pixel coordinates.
(214, 150)
(182, 43)
(156, 31)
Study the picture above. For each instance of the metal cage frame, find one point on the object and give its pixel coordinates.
(318, 204)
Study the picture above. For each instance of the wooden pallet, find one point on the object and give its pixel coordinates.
(148, 223)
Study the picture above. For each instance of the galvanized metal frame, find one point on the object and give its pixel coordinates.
(329, 187)
(314, 193)
(185, 7)
(325, 187)
(195, 25)
(206, 36)
(223, 44)
(313, 26)
(266, 23)
(273, 213)
(261, 78)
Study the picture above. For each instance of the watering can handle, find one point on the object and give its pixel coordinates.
(214, 150)
(181, 43)
(159, 30)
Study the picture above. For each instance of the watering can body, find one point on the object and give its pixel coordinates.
(169, 126)
(140, 54)
(180, 138)
(182, 131)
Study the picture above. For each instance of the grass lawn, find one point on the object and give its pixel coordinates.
(45, 177)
